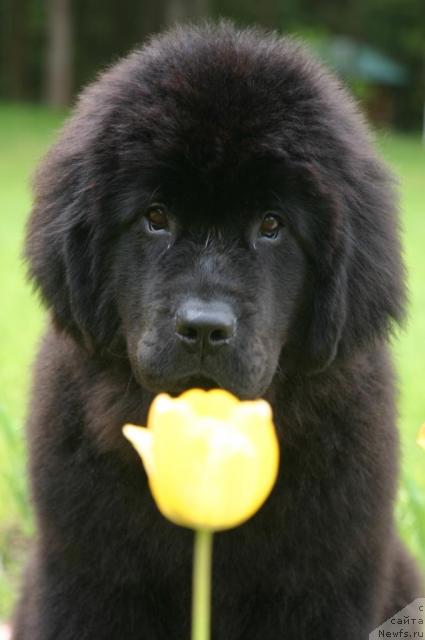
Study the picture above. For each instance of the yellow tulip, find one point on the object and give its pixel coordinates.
(211, 459)
(421, 436)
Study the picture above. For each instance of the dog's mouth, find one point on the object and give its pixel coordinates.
(191, 382)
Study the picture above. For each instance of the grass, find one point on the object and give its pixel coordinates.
(25, 133)
(407, 157)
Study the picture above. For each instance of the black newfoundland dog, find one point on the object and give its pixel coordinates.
(213, 215)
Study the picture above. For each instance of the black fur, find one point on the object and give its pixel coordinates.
(220, 126)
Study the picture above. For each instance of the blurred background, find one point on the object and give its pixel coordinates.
(49, 49)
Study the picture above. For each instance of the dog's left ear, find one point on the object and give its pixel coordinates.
(357, 291)
(376, 278)
(328, 312)
(326, 241)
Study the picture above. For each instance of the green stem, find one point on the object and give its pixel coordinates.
(201, 587)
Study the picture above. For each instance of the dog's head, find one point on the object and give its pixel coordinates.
(215, 205)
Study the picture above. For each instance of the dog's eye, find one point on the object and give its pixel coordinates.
(270, 226)
(157, 219)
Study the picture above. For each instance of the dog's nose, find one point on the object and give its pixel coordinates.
(205, 325)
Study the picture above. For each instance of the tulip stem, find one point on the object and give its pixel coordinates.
(201, 593)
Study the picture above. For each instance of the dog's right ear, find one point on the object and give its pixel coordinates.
(66, 247)
(44, 247)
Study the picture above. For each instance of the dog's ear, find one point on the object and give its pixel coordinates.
(323, 233)
(356, 276)
(328, 312)
(66, 250)
(376, 282)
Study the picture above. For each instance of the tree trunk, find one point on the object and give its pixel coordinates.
(60, 54)
(15, 36)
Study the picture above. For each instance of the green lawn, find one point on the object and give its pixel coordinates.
(25, 133)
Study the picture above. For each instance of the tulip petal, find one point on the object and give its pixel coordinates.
(216, 402)
(141, 439)
(166, 411)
